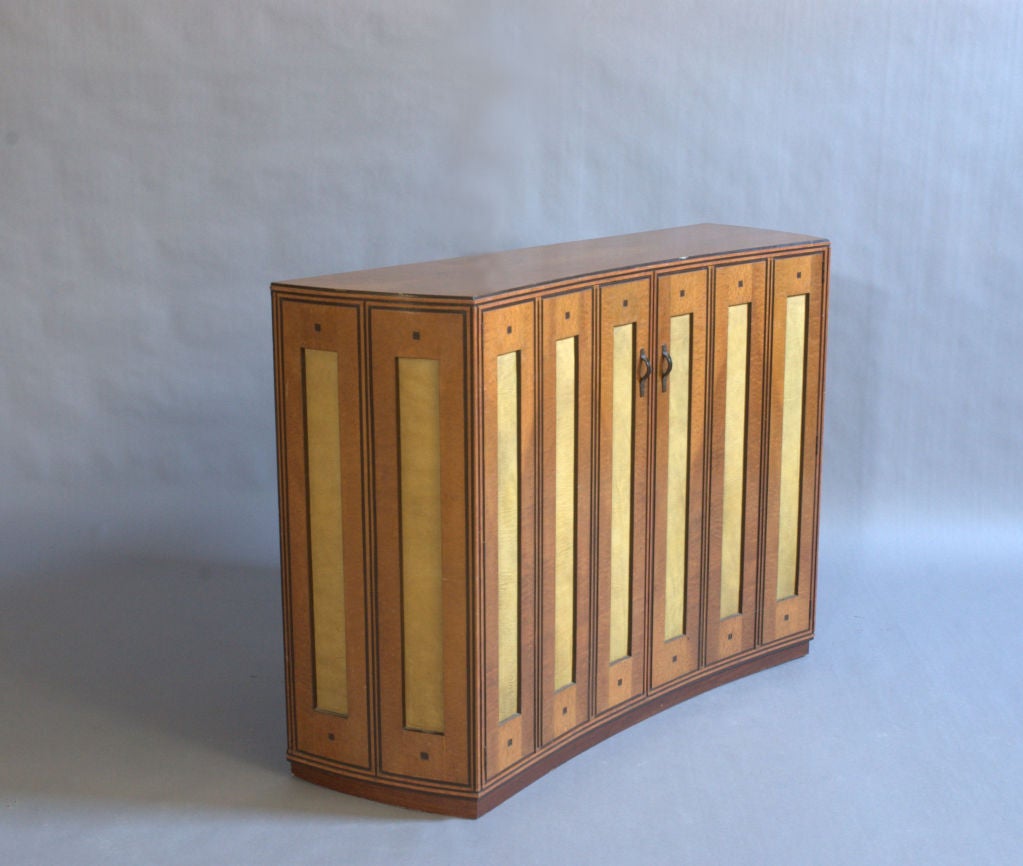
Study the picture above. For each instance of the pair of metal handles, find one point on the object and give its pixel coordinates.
(645, 369)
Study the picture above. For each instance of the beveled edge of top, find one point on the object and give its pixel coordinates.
(481, 276)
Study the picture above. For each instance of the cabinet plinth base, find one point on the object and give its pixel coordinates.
(473, 805)
(456, 805)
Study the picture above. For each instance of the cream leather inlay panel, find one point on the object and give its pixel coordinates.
(791, 445)
(622, 425)
(564, 511)
(508, 572)
(677, 499)
(326, 550)
(421, 561)
(736, 378)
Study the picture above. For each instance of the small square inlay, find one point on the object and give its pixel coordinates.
(330, 737)
(415, 335)
(424, 756)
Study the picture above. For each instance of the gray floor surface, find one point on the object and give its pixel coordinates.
(142, 722)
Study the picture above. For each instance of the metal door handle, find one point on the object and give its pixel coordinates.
(666, 365)
(644, 371)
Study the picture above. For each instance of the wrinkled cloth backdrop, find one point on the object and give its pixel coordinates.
(161, 163)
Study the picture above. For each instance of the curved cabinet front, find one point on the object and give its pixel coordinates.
(518, 518)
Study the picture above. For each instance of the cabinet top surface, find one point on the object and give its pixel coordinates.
(493, 273)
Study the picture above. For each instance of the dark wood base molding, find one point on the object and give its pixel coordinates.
(394, 794)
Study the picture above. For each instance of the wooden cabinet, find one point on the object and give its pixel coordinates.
(530, 498)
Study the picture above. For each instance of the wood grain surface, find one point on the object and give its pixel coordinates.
(495, 273)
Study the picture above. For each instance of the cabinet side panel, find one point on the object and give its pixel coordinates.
(626, 392)
(793, 440)
(509, 531)
(324, 546)
(678, 474)
(419, 398)
(566, 371)
(736, 405)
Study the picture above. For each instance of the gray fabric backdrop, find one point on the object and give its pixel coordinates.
(161, 163)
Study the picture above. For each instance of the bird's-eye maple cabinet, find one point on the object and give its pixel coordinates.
(530, 498)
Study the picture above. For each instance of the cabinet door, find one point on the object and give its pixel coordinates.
(739, 297)
(509, 527)
(794, 418)
(418, 377)
(566, 365)
(322, 518)
(681, 349)
(626, 384)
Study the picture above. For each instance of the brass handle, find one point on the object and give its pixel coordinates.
(644, 371)
(666, 366)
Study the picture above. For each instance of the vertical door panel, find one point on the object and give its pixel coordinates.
(418, 418)
(739, 298)
(323, 459)
(509, 527)
(792, 452)
(626, 384)
(566, 365)
(678, 477)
